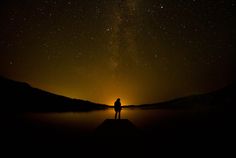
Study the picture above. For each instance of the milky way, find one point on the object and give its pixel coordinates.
(122, 43)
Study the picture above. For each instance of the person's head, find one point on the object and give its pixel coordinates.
(118, 99)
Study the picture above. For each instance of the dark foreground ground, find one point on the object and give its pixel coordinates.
(209, 133)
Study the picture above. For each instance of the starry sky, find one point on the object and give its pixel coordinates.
(143, 51)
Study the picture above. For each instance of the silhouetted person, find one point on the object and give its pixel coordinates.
(117, 107)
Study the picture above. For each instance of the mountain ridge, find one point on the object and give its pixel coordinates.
(216, 100)
(14, 93)
(20, 96)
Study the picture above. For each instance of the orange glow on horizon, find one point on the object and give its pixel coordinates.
(111, 102)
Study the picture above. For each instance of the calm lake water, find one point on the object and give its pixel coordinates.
(88, 121)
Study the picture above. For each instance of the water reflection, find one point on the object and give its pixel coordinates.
(88, 121)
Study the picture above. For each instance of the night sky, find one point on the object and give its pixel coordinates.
(143, 51)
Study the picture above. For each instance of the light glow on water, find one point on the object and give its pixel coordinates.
(88, 121)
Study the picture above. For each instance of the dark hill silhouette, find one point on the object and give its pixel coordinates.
(18, 96)
(219, 100)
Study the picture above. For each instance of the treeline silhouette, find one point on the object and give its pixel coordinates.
(18, 96)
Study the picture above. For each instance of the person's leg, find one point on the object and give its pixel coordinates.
(119, 114)
(115, 115)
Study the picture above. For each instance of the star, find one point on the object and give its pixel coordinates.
(155, 56)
